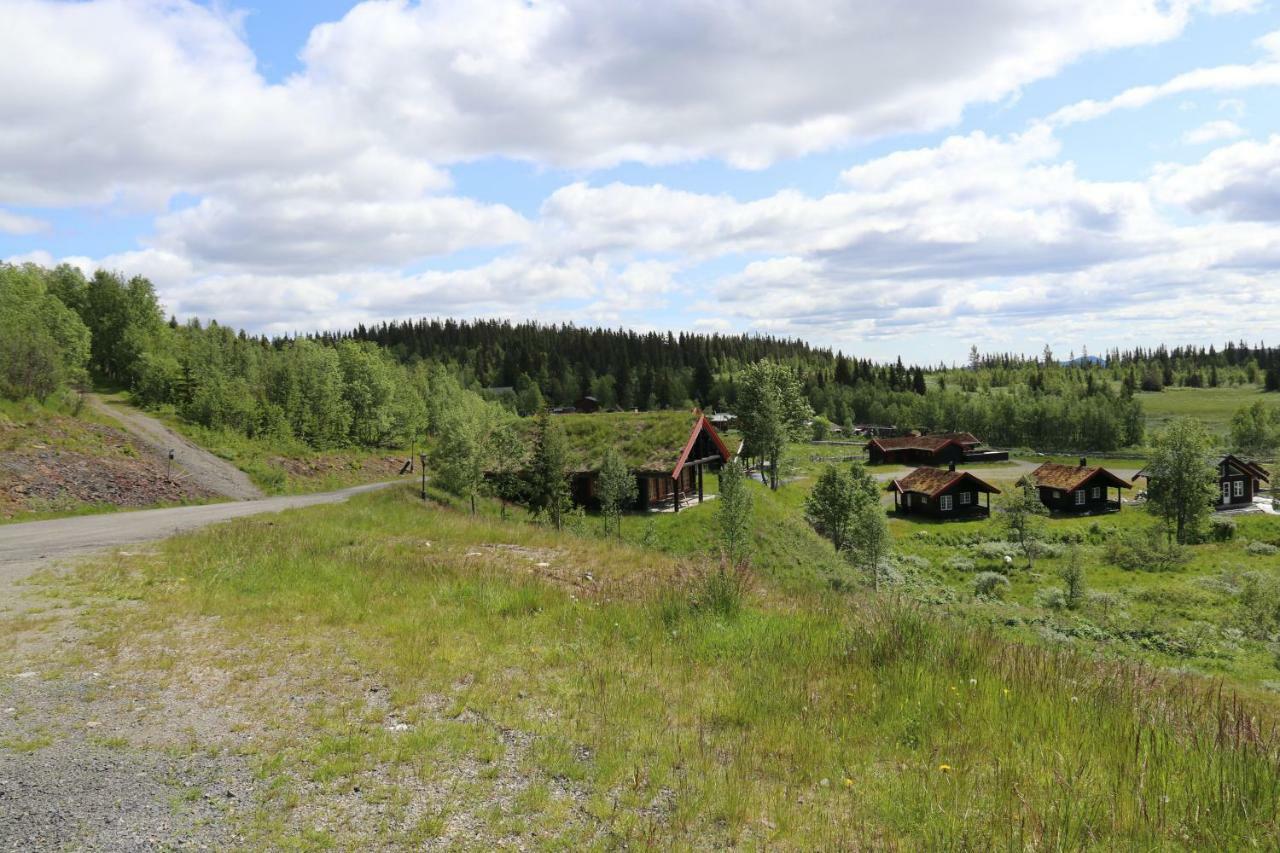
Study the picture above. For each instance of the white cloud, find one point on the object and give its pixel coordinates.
(1239, 182)
(1222, 78)
(1213, 131)
(13, 223)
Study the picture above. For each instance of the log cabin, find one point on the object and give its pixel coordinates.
(1078, 488)
(942, 494)
(940, 449)
(1239, 480)
(667, 452)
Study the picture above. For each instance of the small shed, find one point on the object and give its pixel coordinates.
(942, 494)
(587, 405)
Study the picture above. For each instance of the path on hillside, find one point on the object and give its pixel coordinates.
(30, 545)
(205, 469)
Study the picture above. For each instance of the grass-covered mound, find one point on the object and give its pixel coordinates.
(483, 683)
(647, 441)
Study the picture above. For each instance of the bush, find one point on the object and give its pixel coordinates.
(959, 563)
(990, 585)
(719, 592)
(1222, 529)
(1261, 549)
(995, 550)
(1146, 550)
(1258, 609)
(911, 563)
(1051, 598)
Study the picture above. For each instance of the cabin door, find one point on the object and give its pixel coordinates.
(1226, 491)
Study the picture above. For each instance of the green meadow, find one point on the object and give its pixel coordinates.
(490, 682)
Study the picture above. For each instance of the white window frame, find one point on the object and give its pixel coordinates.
(1238, 488)
(944, 503)
(966, 498)
(1056, 494)
(1081, 497)
(1095, 493)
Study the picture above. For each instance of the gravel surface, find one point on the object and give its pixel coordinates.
(216, 475)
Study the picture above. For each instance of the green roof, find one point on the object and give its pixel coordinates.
(647, 441)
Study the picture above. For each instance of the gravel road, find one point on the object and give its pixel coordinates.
(30, 545)
(216, 475)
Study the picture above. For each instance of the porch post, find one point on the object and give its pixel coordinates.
(699, 484)
(677, 493)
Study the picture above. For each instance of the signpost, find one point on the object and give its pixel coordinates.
(168, 468)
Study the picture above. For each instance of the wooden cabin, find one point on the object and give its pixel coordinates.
(1239, 480)
(588, 405)
(1078, 488)
(942, 494)
(940, 449)
(668, 452)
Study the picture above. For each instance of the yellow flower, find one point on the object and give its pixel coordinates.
(945, 768)
(848, 783)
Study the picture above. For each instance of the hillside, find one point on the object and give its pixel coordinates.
(394, 673)
(56, 462)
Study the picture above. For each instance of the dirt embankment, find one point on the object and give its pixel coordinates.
(60, 464)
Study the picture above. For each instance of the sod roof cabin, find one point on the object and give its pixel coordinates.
(1078, 488)
(1238, 480)
(666, 451)
(939, 449)
(942, 494)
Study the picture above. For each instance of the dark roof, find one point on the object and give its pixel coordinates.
(1245, 465)
(935, 481)
(1068, 478)
(926, 442)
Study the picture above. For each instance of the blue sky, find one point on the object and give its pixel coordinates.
(883, 185)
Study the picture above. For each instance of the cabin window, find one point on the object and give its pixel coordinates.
(1081, 497)
(907, 498)
(1057, 494)
(1096, 492)
(946, 503)
(966, 498)
(1239, 487)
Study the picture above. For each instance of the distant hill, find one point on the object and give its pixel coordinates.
(1082, 360)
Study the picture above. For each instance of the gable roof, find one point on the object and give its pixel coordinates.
(935, 481)
(926, 442)
(649, 442)
(1245, 466)
(1068, 478)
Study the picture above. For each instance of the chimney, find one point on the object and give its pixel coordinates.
(952, 466)
(1084, 462)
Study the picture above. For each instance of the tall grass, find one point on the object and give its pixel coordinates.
(815, 720)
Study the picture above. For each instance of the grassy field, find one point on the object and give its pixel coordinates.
(1213, 406)
(398, 673)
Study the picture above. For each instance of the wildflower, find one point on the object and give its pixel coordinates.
(973, 682)
(1075, 698)
(848, 783)
(1006, 691)
(945, 768)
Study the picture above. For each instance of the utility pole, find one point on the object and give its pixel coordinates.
(423, 459)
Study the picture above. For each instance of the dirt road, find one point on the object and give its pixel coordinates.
(28, 546)
(200, 465)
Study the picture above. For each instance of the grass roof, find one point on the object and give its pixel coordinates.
(647, 441)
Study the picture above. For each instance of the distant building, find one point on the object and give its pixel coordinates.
(723, 420)
(587, 405)
(940, 449)
(1078, 488)
(942, 493)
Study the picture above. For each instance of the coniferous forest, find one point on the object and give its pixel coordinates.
(378, 385)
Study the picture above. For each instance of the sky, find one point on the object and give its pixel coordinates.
(884, 177)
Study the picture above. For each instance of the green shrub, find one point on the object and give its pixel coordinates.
(1222, 529)
(1147, 550)
(1258, 608)
(959, 563)
(1051, 598)
(1261, 549)
(990, 585)
(995, 550)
